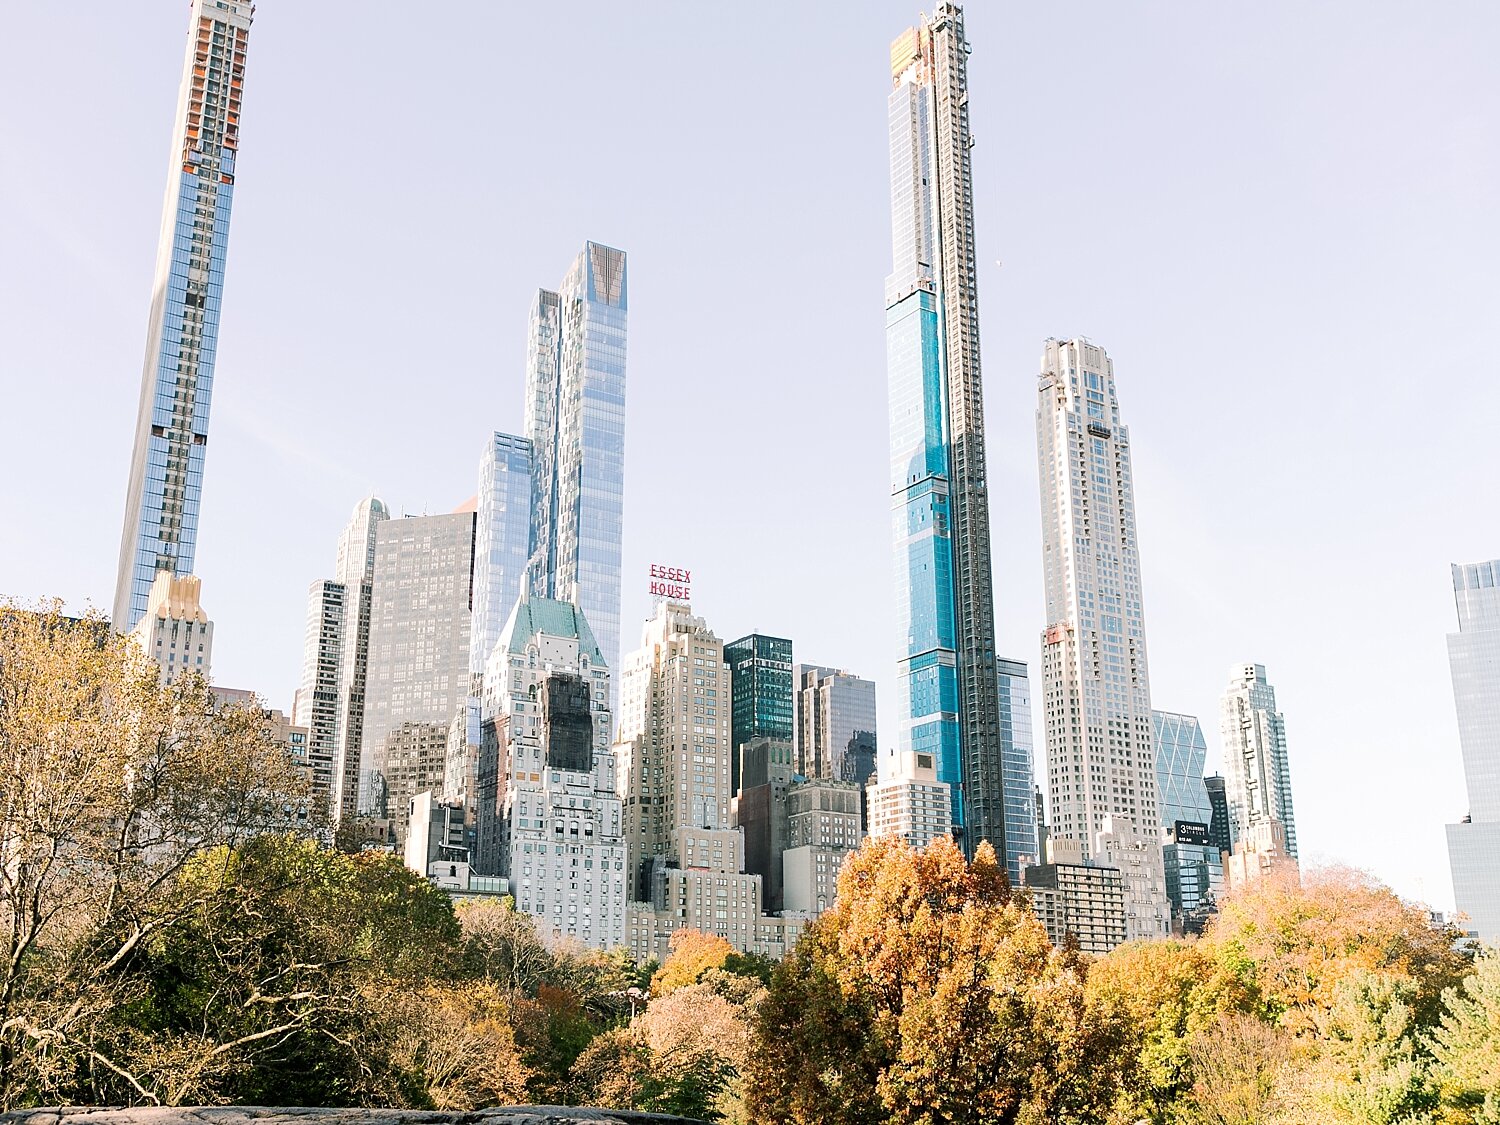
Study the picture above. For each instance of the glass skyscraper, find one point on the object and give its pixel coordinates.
(1022, 848)
(1474, 660)
(166, 465)
(1101, 747)
(575, 422)
(948, 681)
(1257, 777)
(502, 543)
(1194, 868)
(762, 703)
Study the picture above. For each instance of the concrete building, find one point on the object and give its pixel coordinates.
(835, 725)
(330, 700)
(1096, 687)
(686, 858)
(759, 811)
(1083, 899)
(1194, 865)
(174, 630)
(911, 803)
(418, 665)
(1257, 778)
(561, 833)
(1260, 850)
(947, 678)
(1474, 661)
(824, 828)
(171, 434)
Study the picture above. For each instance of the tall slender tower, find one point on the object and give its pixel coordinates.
(1474, 659)
(1096, 692)
(166, 465)
(575, 421)
(949, 685)
(1257, 778)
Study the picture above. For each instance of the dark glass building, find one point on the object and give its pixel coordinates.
(761, 697)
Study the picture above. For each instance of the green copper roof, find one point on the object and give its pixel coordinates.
(556, 619)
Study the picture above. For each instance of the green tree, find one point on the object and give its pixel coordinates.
(1466, 1044)
(1374, 1066)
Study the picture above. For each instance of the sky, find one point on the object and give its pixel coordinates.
(1279, 220)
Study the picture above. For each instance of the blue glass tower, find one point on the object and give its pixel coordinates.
(166, 467)
(949, 681)
(502, 542)
(575, 421)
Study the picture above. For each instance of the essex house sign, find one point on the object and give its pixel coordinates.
(671, 582)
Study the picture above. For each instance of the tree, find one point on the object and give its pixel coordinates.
(1244, 1073)
(917, 998)
(693, 953)
(110, 784)
(1374, 1067)
(1466, 1044)
(457, 1042)
(1292, 944)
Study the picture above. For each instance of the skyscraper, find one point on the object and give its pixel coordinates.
(1022, 846)
(1096, 690)
(418, 667)
(175, 631)
(171, 436)
(575, 422)
(947, 678)
(834, 709)
(1474, 660)
(330, 700)
(502, 541)
(1257, 779)
(1194, 866)
(762, 704)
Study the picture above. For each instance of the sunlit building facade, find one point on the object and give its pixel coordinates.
(1257, 776)
(575, 423)
(166, 467)
(1096, 690)
(947, 679)
(502, 542)
(835, 720)
(1474, 661)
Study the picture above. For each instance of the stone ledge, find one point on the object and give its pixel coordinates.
(301, 1115)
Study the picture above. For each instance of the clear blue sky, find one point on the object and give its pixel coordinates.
(1280, 219)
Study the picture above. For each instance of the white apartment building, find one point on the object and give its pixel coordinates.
(175, 631)
(1257, 779)
(1096, 690)
(911, 803)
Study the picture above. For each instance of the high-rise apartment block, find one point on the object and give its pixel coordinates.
(947, 677)
(1474, 660)
(417, 674)
(908, 800)
(1101, 748)
(835, 725)
(1218, 824)
(686, 859)
(171, 437)
(1258, 781)
(175, 631)
(546, 687)
(1085, 900)
(575, 423)
(824, 819)
(1194, 865)
(761, 698)
(330, 699)
(502, 542)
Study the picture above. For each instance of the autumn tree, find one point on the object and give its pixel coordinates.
(1245, 1072)
(918, 998)
(693, 953)
(110, 784)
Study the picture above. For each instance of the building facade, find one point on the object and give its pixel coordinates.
(824, 828)
(561, 835)
(330, 700)
(175, 631)
(1022, 846)
(762, 702)
(417, 674)
(1194, 864)
(910, 801)
(1474, 661)
(947, 678)
(502, 542)
(1101, 747)
(1084, 900)
(1257, 778)
(575, 422)
(835, 722)
(166, 466)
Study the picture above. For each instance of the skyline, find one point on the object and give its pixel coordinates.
(238, 600)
